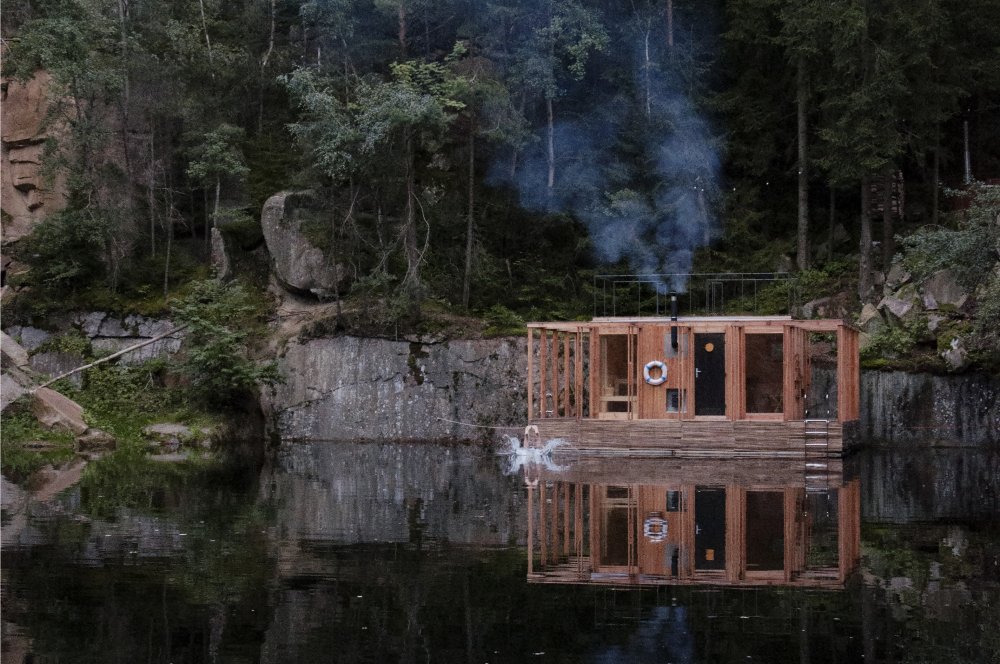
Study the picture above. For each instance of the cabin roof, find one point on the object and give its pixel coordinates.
(823, 324)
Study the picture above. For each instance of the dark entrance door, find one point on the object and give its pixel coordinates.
(710, 529)
(710, 374)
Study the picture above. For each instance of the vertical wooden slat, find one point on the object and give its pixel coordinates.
(595, 372)
(554, 531)
(531, 374)
(566, 514)
(543, 537)
(531, 530)
(566, 377)
(578, 376)
(542, 361)
(736, 541)
(685, 566)
(554, 386)
(848, 376)
(791, 495)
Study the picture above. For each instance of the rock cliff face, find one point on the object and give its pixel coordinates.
(27, 197)
(902, 408)
(349, 388)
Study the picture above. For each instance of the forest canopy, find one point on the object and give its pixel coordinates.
(500, 152)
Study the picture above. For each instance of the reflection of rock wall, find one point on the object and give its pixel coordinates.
(352, 493)
(27, 198)
(928, 485)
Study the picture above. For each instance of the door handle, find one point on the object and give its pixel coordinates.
(697, 372)
(697, 529)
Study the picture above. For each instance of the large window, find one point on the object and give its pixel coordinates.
(764, 372)
(618, 386)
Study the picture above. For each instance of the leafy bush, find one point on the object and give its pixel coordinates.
(502, 321)
(221, 319)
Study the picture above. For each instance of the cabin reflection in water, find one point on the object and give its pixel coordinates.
(627, 521)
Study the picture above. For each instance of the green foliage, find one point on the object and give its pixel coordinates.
(64, 251)
(21, 427)
(73, 341)
(889, 343)
(222, 319)
(501, 321)
(969, 249)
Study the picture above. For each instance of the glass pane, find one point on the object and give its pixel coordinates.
(764, 372)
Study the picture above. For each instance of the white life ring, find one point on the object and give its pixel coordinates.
(655, 364)
(655, 528)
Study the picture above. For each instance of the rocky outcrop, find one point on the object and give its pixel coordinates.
(27, 196)
(903, 409)
(55, 411)
(289, 220)
(349, 388)
(12, 353)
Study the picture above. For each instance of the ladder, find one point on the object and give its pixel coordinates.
(816, 469)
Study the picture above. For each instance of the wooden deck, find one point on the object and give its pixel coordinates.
(696, 438)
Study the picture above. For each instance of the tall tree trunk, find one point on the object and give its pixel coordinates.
(647, 74)
(166, 261)
(513, 158)
(670, 28)
(208, 42)
(551, 148)
(803, 225)
(832, 225)
(936, 179)
(470, 221)
(865, 245)
(151, 192)
(401, 32)
(411, 283)
(214, 220)
(888, 236)
(263, 68)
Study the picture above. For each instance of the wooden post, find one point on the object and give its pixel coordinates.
(565, 519)
(595, 370)
(566, 379)
(578, 376)
(555, 374)
(542, 359)
(531, 530)
(542, 535)
(531, 374)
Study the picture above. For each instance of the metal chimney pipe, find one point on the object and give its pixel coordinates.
(673, 317)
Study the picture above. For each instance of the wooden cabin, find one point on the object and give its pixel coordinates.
(749, 522)
(723, 386)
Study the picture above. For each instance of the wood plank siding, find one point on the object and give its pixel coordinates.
(586, 383)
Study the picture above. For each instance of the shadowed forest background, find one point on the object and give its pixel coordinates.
(491, 156)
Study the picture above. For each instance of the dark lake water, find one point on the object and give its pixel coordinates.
(420, 553)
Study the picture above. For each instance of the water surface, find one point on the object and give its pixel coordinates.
(383, 553)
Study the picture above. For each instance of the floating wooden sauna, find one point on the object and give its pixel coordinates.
(741, 386)
(749, 522)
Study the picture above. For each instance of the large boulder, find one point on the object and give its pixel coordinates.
(11, 352)
(943, 289)
(55, 411)
(291, 222)
(11, 390)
